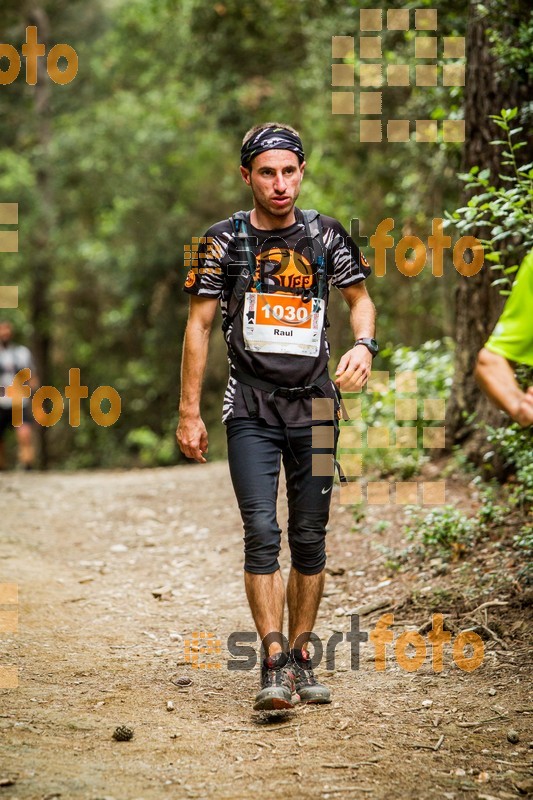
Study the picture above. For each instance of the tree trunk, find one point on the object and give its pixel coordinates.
(42, 272)
(477, 304)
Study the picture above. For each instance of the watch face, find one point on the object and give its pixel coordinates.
(371, 344)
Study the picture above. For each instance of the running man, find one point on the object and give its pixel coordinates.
(271, 270)
(511, 343)
(13, 358)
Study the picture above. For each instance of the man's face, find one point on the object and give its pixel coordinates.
(275, 177)
(6, 332)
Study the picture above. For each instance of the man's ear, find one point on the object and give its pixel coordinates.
(245, 174)
(302, 168)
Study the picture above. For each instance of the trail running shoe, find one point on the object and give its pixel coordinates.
(306, 685)
(277, 684)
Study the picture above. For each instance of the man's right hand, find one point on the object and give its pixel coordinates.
(191, 435)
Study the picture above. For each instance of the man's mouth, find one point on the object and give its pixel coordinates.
(280, 201)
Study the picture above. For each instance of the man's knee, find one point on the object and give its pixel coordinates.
(261, 543)
(307, 542)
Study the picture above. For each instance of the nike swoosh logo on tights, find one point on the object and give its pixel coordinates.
(325, 491)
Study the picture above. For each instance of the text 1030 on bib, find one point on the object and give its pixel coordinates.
(283, 323)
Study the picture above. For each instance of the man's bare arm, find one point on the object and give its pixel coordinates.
(355, 365)
(495, 376)
(191, 433)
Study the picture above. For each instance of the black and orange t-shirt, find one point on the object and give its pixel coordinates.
(283, 263)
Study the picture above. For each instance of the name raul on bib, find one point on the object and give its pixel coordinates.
(283, 323)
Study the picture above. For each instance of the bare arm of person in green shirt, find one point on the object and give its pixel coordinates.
(495, 376)
(510, 343)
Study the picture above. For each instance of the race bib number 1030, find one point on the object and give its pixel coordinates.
(283, 323)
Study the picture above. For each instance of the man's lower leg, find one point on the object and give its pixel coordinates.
(266, 597)
(304, 593)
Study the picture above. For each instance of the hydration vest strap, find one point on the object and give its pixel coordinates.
(340, 471)
(240, 222)
(289, 392)
(313, 230)
(251, 405)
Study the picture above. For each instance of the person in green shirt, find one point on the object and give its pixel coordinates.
(511, 343)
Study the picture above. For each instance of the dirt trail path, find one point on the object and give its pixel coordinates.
(95, 649)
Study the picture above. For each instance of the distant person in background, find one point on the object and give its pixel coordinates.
(511, 343)
(13, 358)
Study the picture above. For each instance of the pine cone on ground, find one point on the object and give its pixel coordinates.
(122, 733)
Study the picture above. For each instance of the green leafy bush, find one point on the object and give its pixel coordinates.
(516, 445)
(491, 512)
(433, 365)
(510, 34)
(447, 530)
(151, 449)
(506, 211)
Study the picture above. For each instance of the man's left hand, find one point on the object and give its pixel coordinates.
(524, 410)
(354, 369)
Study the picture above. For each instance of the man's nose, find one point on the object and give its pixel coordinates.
(280, 183)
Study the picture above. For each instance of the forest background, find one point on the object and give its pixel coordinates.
(115, 173)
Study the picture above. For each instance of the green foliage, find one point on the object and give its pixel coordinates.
(358, 517)
(432, 363)
(152, 449)
(510, 32)
(515, 444)
(491, 512)
(504, 211)
(523, 541)
(143, 155)
(382, 525)
(450, 532)
(446, 530)
(392, 564)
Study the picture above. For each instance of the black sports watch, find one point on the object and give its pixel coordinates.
(370, 344)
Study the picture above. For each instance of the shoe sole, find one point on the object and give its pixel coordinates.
(318, 699)
(272, 703)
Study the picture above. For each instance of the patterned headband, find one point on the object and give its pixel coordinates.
(271, 139)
